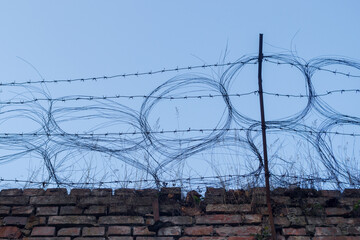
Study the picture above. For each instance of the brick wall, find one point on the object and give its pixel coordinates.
(126, 214)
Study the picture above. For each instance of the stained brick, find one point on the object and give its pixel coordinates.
(4, 210)
(95, 210)
(218, 219)
(199, 230)
(336, 211)
(22, 210)
(118, 209)
(170, 231)
(102, 192)
(121, 220)
(43, 231)
(11, 192)
(252, 218)
(43, 211)
(72, 220)
(52, 200)
(178, 220)
(19, 200)
(330, 193)
(228, 208)
(10, 232)
(208, 238)
(298, 238)
(143, 230)
(70, 210)
(119, 230)
(71, 231)
(121, 238)
(327, 231)
(80, 192)
(241, 238)
(154, 238)
(9, 220)
(33, 192)
(47, 238)
(93, 231)
(240, 231)
(56, 191)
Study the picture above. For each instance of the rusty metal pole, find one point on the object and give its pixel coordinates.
(263, 129)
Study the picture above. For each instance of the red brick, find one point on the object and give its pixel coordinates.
(72, 220)
(121, 220)
(336, 211)
(170, 231)
(33, 192)
(102, 192)
(70, 210)
(52, 200)
(228, 208)
(56, 192)
(93, 231)
(15, 220)
(239, 231)
(19, 200)
(72, 231)
(80, 192)
(43, 231)
(178, 220)
(95, 210)
(45, 211)
(252, 218)
(4, 210)
(199, 230)
(143, 230)
(11, 192)
(10, 232)
(294, 231)
(22, 210)
(218, 219)
(327, 231)
(119, 230)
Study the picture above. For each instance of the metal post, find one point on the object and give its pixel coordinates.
(263, 128)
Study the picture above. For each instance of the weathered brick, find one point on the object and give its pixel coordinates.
(143, 210)
(252, 218)
(43, 231)
(119, 230)
(294, 231)
(4, 210)
(46, 211)
(241, 238)
(80, 192)
(10, 232)
(228, 208)
(282, 221)
(70, 210)
(19, 200)
(199, 230)
(315, 221)
(336, 211)
(239, 231)
(89, 238)
(52, 200)
(170, 231)
(72, 220)
(86, 201)
(33, 192)
(142, 231)
(330, 193)
(121, 220)
(35, 221)
(121, 238)
(218, 219)
(71, 231)
(10, 220)
(178, 220)
(154, 238)
(118, 209)
(351, 192)
(170, 209)
(208, 238)
(124, 192)
(56, 191)
(336, 238)
(11, 192)
(327, 231)
(22, 210)
(93, 231)
(291, 210)
(281, 200)
(48, 238)
(297, 220)
(95, 210)
(102, 192)
(299, 238)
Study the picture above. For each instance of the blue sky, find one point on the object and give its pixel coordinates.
(76, 39)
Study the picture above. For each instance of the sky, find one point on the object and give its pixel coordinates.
(80, 39)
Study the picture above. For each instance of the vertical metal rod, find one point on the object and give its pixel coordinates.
(263, 129)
